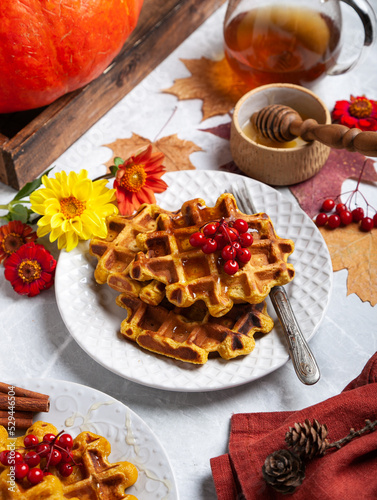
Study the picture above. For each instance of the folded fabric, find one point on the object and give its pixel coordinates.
(341, 474)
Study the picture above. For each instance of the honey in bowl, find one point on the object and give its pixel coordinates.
(281, 44)
(253, 133)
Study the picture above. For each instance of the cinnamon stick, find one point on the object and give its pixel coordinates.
(34, 405)
(18, 414)
(19, 391)
(18, 419)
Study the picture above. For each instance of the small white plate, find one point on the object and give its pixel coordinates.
(77, 408)
(93, 319)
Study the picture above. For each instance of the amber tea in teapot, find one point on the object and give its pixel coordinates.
(287, 44)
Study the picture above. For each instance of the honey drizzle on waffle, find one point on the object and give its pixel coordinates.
(190, 334)
(190, 275)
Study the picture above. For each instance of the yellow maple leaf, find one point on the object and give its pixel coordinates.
(177, 151)
(213, 82)
(355, 250)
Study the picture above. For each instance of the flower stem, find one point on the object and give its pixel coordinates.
(104, 176)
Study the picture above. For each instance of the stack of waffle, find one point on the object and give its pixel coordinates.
(179, 300)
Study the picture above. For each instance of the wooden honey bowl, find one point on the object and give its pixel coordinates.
(276, 165)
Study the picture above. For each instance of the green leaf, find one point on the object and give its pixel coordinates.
(19, 212)
(114, 169)
(30, 187)
(27, 189)
(118, 161)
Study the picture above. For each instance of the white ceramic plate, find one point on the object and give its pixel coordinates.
(76, 408)
(93, 319)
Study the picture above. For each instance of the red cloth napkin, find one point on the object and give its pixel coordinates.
(345, 474)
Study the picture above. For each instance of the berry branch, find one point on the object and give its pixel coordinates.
(232, 239)
(55, 449)
(369, 427)
(344, 214)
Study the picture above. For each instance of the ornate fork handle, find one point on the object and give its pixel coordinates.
(302, 358)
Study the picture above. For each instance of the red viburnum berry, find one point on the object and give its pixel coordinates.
(231, 267)
(21, 470)
(345, 217)
(328, 205)
(35, 476)
(357, 214)
(30, 440)
(334, 221)
(241, 226)
(197, 239)
(243, 255)
(321, 219)
(210, 229)
(340, 208)
(366, 224)
(209, 246)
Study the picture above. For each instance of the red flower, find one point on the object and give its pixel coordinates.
(30, 270)
(359, 112)
(13, 236)
(138, 179)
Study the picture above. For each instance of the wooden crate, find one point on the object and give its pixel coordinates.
(31, 140)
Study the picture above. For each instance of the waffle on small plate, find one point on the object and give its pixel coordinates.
(95, 478)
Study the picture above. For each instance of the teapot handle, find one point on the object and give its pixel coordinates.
(368, 18)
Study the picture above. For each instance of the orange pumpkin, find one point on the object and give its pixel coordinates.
(51, 47)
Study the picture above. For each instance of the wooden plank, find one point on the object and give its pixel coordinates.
(163, 25)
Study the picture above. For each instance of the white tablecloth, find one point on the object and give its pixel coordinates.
(193, 427)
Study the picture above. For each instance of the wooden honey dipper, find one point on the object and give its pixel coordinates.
(282, 124)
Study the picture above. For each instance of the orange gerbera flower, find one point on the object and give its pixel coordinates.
(137, 179)
(12, 236)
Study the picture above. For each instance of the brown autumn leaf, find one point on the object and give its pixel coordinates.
(355, 250)
(211, 81)
(177, 151)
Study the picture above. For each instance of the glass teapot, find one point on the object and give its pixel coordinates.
(291, 41)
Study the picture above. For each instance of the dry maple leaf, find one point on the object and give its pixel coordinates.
(222, 130)
(341, 165)
(211, 81)
(177, 151)
(356, 251)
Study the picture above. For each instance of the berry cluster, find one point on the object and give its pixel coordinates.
(230, 238)
(51, 451)
(344, 215)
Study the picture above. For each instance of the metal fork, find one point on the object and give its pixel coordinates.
(302, 357)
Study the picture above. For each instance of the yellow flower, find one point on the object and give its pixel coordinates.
(73, 208)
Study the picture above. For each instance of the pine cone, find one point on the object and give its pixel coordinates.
(284, 471)
(307, 440)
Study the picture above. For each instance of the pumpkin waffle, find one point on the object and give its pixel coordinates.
(94, 479)
(190, 275)
(190, 334)
(118, 249)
